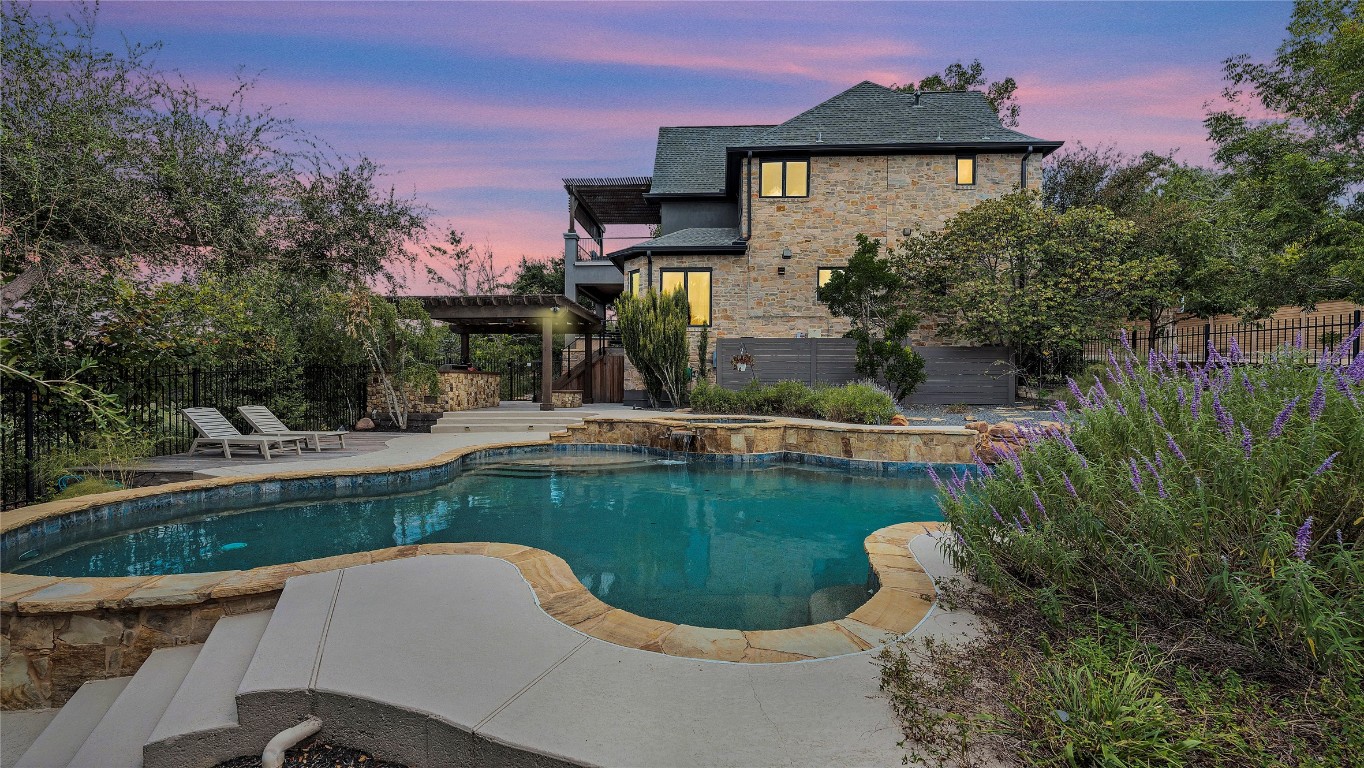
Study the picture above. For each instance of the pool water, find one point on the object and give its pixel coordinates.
(745, 547)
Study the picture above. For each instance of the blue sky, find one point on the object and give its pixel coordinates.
(481, 108)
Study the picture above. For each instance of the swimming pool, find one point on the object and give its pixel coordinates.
(758, 545)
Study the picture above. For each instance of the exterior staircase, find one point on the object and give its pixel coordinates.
(509, 417)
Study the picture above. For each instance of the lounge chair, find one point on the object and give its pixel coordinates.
(264, 422)
(215, 430)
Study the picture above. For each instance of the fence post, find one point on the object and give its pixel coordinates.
(30, 480)
(1355, 351)
(194, 386)
(1207, 339)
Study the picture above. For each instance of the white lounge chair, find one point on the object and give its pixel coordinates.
(215, 430)
(264, 422)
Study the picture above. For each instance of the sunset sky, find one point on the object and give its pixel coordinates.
(481, 109)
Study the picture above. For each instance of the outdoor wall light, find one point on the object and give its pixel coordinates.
(786, 253)
(781, 270)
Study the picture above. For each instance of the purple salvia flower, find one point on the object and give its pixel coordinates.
(1099, 387)
(1117, 404)
(1355, 373)
(1224, 419)
(1075, 391)
(1114, 370)
(1136, 476)
(1155, 415)
(1142, 398)
(1017, 463)
(995, 512)
(980, 463)
(1152, 360)
(937, 481)
(1303, 539)
(1281, 420)
(1326, 465)
(1126, 340)
(1026, 520)
(1179, 395)
(1340, 539)
(1160, 461)
(1195, 401)
(1318, 403)
(1246, 440)
(1245, 382)
(1174, 447)
(1297, 339)
(1061, 407)
(1234, 351)
(1127, 366)
(1344, 347)
(1344, 387)
(1041, 508)
(1018, 525)
(1069, 487)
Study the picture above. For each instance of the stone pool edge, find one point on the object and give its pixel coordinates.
(36, 608)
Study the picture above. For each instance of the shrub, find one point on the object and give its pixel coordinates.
(653, 330)
(855, 403)
(1227, 496)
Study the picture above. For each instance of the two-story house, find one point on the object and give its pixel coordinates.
(752, 218)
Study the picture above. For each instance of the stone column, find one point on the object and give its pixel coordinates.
(547, 362)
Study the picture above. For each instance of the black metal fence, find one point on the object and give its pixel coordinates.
(1255, 340)
(37, 426)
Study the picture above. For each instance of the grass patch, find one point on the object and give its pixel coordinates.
(860, 403)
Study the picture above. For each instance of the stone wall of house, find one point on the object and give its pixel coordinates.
(455, 391)
(876, 195)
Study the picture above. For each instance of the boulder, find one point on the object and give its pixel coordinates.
(364, 424)
(898, 420)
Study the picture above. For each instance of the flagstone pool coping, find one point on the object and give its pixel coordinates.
(904, 598)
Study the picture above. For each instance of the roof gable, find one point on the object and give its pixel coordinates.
(868, 113)
(691, 159)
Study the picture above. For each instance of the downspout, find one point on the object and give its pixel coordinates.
(649, 270)
(748, 195)
(1023, 169)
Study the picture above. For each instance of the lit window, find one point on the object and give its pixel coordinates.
(696, 284)
(784, 178)
(966, 170)
(632, 283)
(824, 274)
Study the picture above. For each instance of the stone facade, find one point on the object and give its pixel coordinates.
(939, 445)
(876, 195)
(567, 398)
(456, 391)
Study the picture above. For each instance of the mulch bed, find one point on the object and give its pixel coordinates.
(317, 754)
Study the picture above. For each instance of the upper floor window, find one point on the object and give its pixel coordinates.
(784, 178)
(696, 284)
(823, 275)
(966, 170)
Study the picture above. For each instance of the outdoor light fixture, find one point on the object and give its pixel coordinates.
(781, 270)
(786, 253)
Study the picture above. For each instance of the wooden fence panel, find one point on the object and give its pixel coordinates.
(974, 375)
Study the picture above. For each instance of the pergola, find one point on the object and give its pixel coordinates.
(498, 314)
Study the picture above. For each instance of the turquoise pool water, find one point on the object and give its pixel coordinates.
(743, 547)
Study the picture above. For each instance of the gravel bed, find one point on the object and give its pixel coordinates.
(316, 754)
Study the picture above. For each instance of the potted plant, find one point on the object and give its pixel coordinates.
(741, 361)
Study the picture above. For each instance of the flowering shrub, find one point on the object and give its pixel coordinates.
(1229, 496)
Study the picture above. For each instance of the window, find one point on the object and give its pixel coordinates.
(696, 284)
(966, 170)
(784, 178)
(632, 282)
(824, 274)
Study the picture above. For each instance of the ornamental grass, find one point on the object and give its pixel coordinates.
(1227, 497)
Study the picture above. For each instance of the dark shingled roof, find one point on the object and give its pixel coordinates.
(691, 159)
(868, 113)
(696, 239)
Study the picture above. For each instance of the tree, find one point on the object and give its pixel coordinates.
(971, 77)
(1300, 176)
(653, 330)
(1179, 212)
(871, 294)
(1012, 272)
(401, 342)
(537, 276)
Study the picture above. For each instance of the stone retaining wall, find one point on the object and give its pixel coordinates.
(945, 445)
(456, 391)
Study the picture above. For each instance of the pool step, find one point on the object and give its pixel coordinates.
(199, 728)
(458, 422)
(116, 742)
(63, 737)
